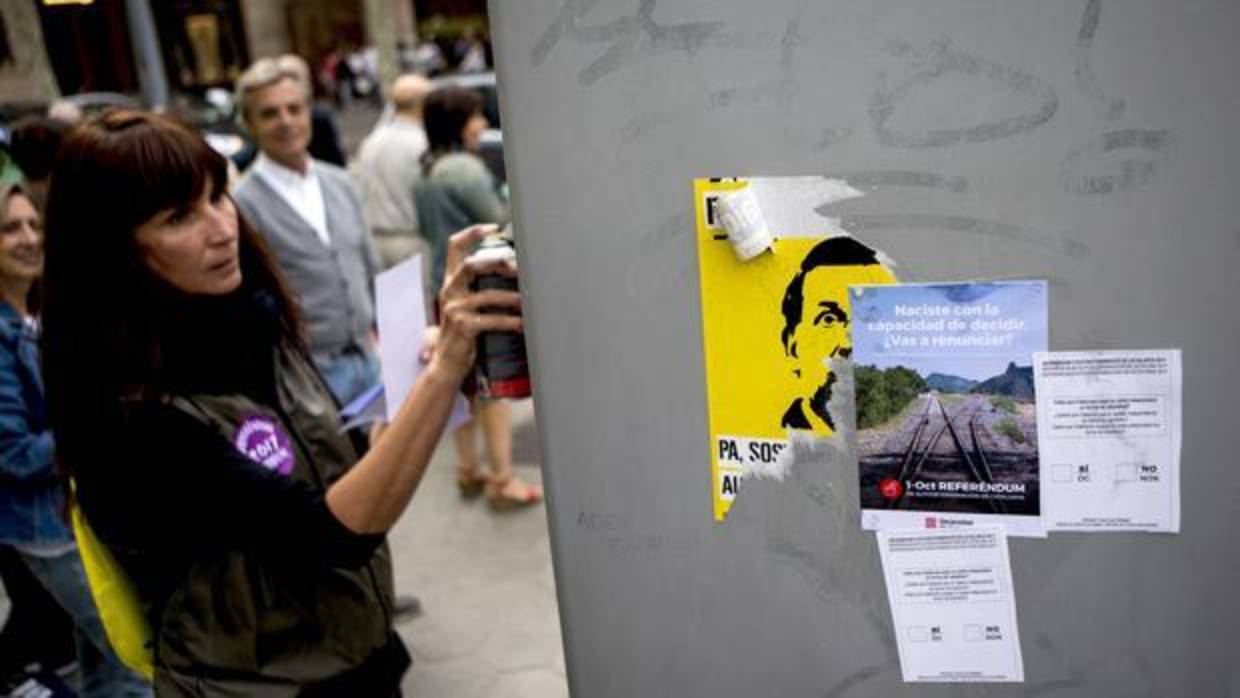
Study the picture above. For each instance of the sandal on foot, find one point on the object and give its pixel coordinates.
(470, 483)
(502, 497)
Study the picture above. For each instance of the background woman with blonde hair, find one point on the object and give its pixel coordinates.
(32, 494)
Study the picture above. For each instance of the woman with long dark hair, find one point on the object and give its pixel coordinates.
(207, 452)
(458, 190)
(32, 494)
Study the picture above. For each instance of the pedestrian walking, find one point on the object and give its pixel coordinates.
(458, 190)
(388, 167)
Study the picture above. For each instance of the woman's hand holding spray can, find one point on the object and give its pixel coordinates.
(501, 365)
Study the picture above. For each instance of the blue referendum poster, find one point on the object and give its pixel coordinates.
(946, 416)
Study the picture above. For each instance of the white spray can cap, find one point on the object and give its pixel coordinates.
(741, 216)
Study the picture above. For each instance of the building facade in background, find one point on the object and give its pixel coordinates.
(25, 73)
(204, 43)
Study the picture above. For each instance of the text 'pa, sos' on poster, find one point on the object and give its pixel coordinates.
(773, 328)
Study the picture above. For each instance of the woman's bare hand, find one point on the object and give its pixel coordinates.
(430, 339)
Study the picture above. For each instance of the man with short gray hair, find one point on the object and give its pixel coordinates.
(311, 216)
(324, 135)
(388, 168)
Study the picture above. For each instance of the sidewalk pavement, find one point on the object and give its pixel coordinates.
(489, 626)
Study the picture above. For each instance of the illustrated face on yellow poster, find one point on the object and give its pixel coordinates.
(772, 327)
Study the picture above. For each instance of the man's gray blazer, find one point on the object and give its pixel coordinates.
(333, 284)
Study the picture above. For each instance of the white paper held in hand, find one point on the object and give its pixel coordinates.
(400, 307)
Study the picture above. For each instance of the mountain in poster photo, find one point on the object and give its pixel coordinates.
(1016, 382)
(946, 383)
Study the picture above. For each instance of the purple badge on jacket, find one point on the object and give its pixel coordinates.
(263, 441)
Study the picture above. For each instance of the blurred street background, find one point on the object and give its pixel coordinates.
(488, 626)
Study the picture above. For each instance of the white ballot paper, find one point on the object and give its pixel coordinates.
(952, 604)
(400, 310)
(1109, 430)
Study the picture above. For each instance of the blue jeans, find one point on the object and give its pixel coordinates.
(349, 373)
(103, 674)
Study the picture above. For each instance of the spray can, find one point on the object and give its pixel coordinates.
(501, 365)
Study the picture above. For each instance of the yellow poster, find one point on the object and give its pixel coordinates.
(771, 328)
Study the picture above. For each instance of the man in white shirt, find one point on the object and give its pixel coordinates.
(311, 216)
(387, 170)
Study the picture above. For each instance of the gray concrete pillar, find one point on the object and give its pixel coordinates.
(152, 78)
